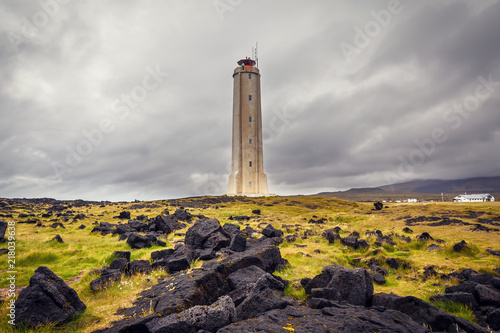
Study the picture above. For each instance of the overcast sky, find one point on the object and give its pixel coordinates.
(123, 100)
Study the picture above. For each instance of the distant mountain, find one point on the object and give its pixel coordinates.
(458, 186)
(429, 189)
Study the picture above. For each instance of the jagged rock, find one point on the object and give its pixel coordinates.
(424, 237)
(57, 238)
(407, 230)
(256, 211)
(330, 294)
(378, 205)
(231, 228)
(122, 254)
(210, 318)
(217, 241)
(119, 264)
(204, 285)
(271, 232)
(487, 296)
(337, 229)
(162, 254)
(393, 263)
(141, 217)
(139, 266)
(331, 236)
(138, 225)
(123, 228)
(82, 226)
(425, 313)
(180, 259)
(290, 238)
(350, 241)
(379, 270)
(459, 297)
(244, 276)
(493, 319)
(363, 244)
(266, 295)
(433, 247)
(458, 247)
(124, 215)
(378, 278)
(47, 299)
(238, 243)
(137, 241)
(339, 318)
(107, 277)
(205, 254)
(495, 253)
(202, 230)
(355, 285)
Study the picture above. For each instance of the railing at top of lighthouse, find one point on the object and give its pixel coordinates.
(247, 63)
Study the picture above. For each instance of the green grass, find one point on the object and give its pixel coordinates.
(83, 251)
(456, 309)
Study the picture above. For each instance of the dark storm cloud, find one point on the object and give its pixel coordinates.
(71, 129)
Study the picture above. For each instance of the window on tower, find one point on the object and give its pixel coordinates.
(249, 97)
(250, 141)
(250, 184)
(250, 164)
(249, 76)
(249, 119)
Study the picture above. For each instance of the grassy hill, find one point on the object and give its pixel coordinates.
(82, 251)
(430, 189)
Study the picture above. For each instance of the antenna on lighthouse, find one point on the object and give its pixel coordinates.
(256, 56)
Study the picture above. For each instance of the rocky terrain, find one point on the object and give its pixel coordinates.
(228, 277)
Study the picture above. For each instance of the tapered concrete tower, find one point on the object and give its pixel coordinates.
(247, 168)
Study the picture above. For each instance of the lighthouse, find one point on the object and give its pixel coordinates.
(247, 167)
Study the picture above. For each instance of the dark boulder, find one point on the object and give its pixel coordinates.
(122, 254)
(47, 299)
(350, 241)
(231, 228)
(407, 230)
(205, 254)
(378, 278)
(354, 285)
(138, 225)
(123, 228)
(137, 241)
(256, 211)
(162, 254)
(119, 264)
(425, 313)
(202, 230)
(424, 237)
(180, 259)
(57, 238)
(337, 229)
(331, 236)
(139, 266)
(217, 241)
(378, 205)
(244, 276)
(266, 295)
(107, 277)
(393, 263)
(338, 318)
(124, 215)
(458, 247)
(433, 247)
(82, 226)
(270, 232)
(238, 243)
(487, 296)
(493, 319)
(196, 319)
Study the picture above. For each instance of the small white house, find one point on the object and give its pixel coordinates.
(474, 197)
(412, 200)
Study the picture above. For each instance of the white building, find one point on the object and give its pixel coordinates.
(474, 197)
(412, 200)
